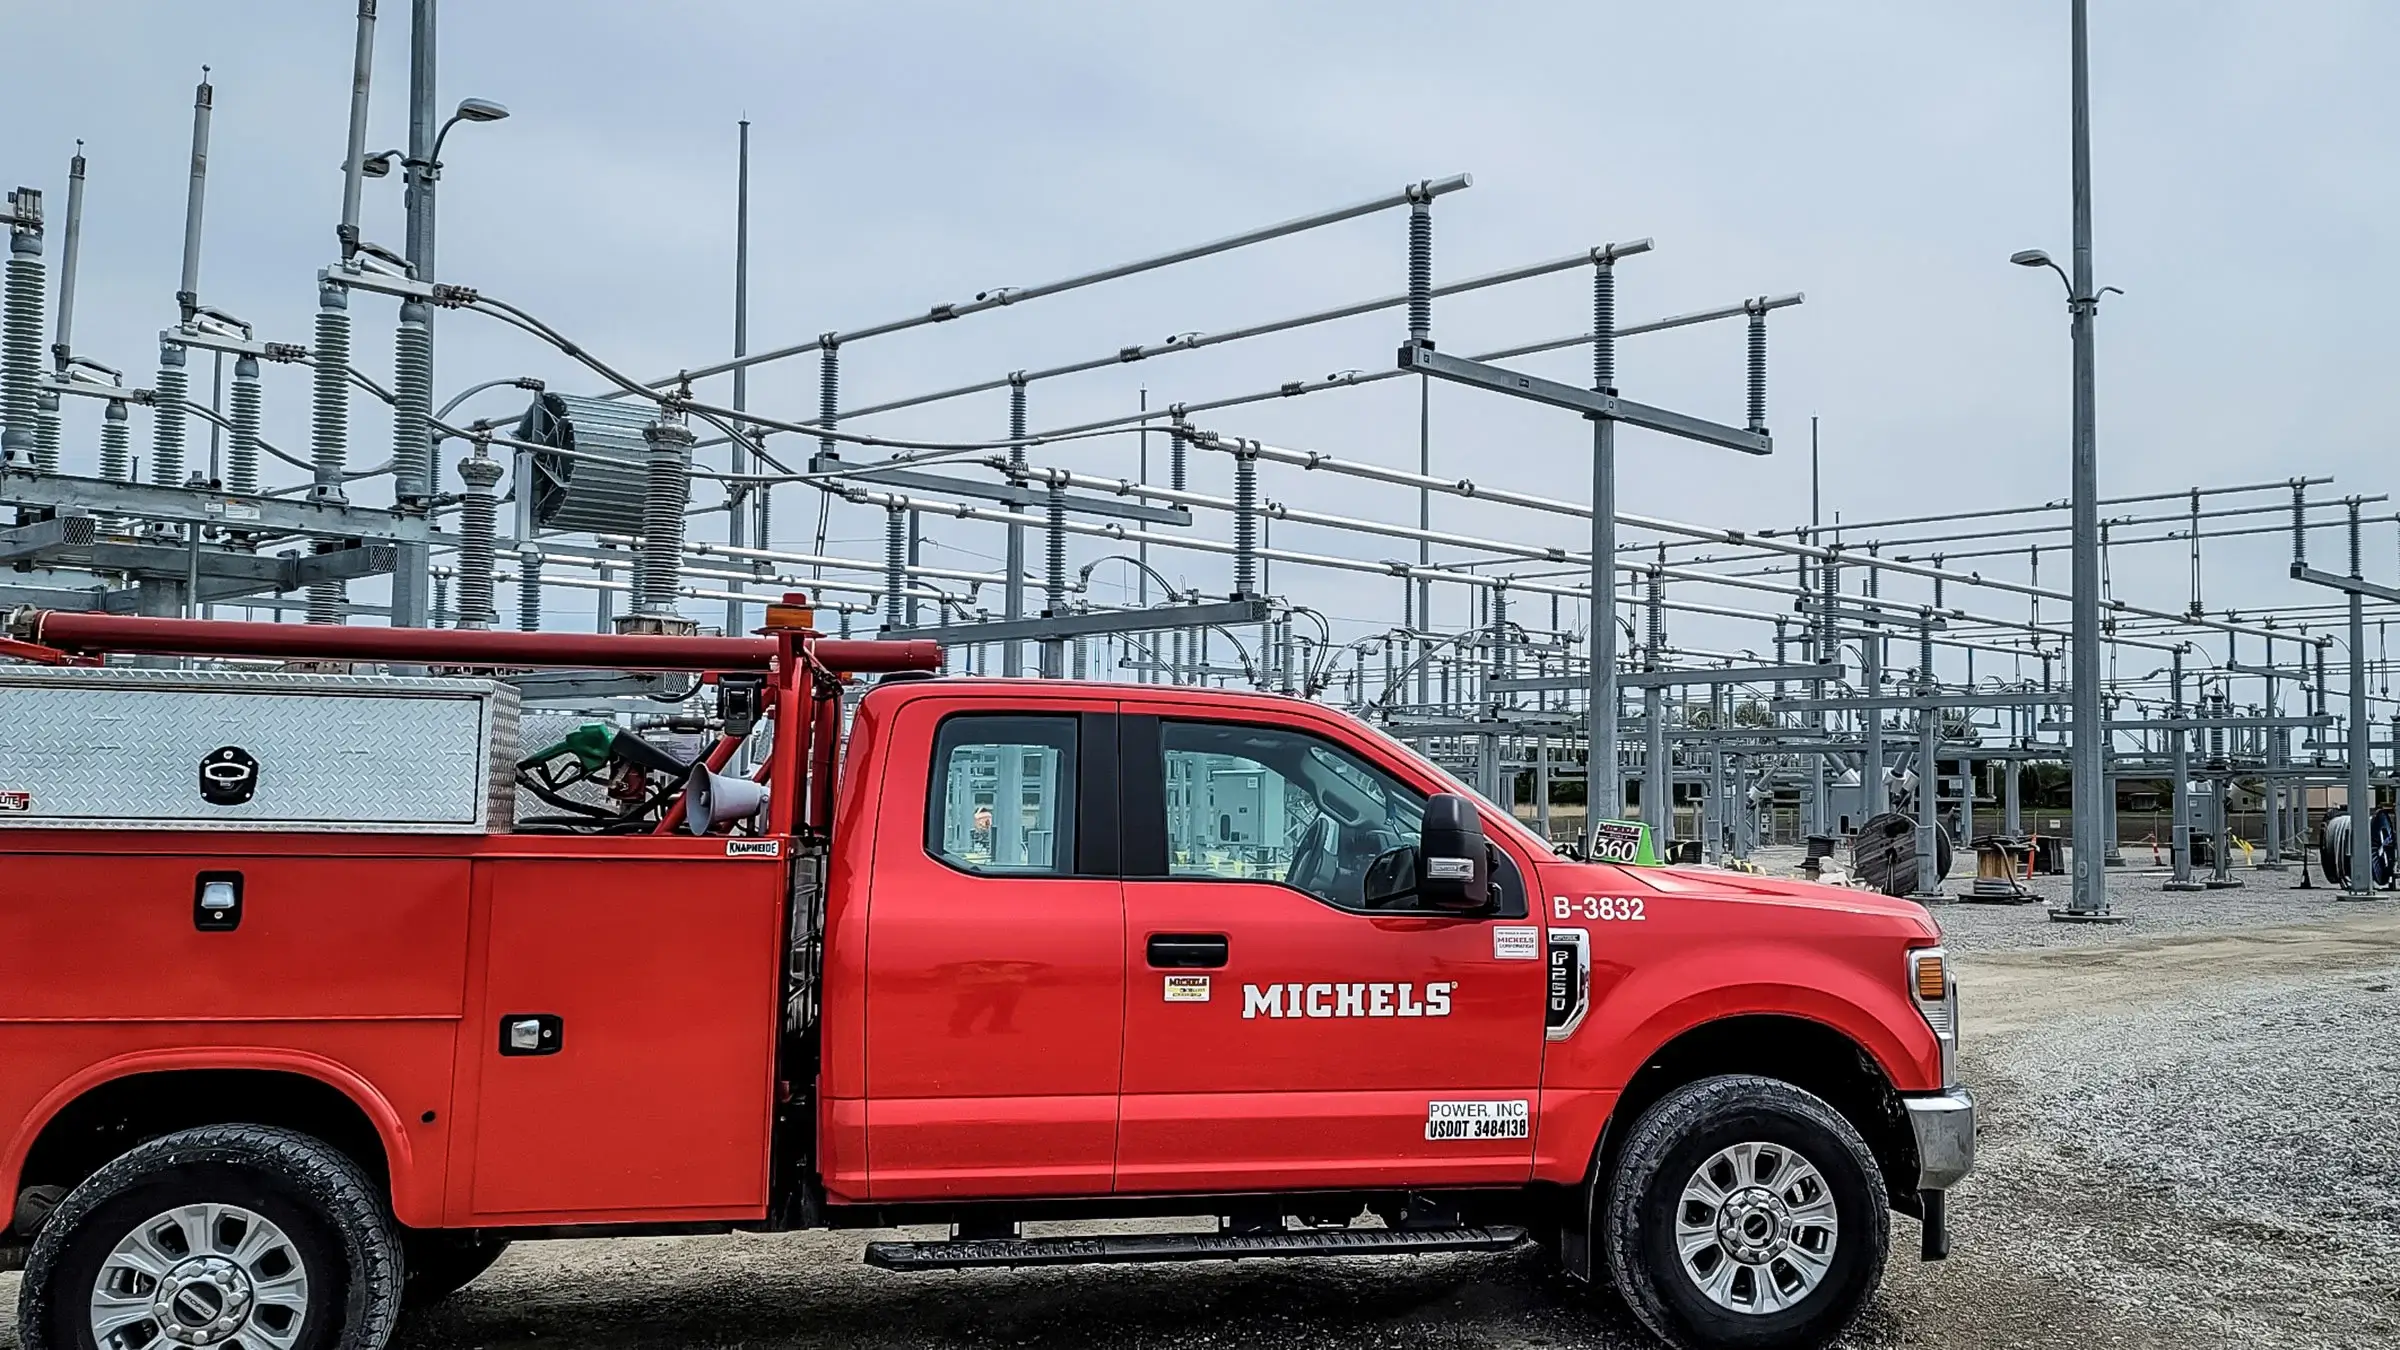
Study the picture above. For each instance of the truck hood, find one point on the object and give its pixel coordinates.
(1707, 883)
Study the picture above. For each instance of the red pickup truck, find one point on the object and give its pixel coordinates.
(964, 952)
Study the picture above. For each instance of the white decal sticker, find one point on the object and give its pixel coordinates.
(753, 848)
(1605, 908)
(1347, 1000)
(1186, 989)
(1478, 1120)
(1516, 944)
(1450, 869)
(15, 799)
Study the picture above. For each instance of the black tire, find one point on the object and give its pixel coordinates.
(440, 1264)
(1667, 1150)
(339, 1231)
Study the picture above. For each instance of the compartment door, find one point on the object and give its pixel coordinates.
(623, 1053)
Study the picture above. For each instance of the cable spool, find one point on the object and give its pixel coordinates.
(1883, 854)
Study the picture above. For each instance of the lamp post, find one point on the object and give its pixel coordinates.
(414, 471)
(2087, 756)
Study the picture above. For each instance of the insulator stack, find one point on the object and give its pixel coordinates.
(329, 411)
(2299, 525)
(478, 520)
(895, 565)
(1016, 420)
(1245, 522)
(116, 442)
(1655, 620)
(1604, 326)
(439, 618)
(21, 337)
(2354, 554)
(45, 432)
(241, 452)
(329, 433)
(1420, 271)
(665, 493)
(1054, 549)
(116, 450)
(166, 419)
(412, 403)
(1178, 455)
(829, 392)
(529, 587)
(1758, 368)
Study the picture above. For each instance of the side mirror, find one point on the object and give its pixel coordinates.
(1392, 877)
(1456, 872)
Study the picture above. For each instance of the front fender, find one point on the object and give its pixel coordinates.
(1642, 1009)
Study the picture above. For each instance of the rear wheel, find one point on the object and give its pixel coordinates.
(1745, 1212)
(223, 1236)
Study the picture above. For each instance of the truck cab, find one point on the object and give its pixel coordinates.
(955, 951)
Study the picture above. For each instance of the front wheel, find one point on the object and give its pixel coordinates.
(1747, 1213)
(223, 1236)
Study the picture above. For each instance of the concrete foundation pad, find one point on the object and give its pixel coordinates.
(2081, 916)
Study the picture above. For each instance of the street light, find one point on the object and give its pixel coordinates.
(416, 477)
(2088, 739)
(469, 110)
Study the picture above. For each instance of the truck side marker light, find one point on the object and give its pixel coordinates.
(1932, 981)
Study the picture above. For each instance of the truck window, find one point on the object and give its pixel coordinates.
(1255, 803)
(1002, 799)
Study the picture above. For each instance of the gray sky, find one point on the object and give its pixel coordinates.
(1884, 158)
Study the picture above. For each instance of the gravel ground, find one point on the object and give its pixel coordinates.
(2187, 1140)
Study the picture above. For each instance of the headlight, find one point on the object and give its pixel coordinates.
(1935, 993)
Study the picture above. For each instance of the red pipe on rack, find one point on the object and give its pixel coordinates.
(132, 635)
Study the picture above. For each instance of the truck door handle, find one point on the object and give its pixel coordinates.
(532, 1034)
(1188, 951)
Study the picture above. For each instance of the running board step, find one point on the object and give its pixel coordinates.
(1115, 1249)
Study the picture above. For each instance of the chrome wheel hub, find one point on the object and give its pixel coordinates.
(201, 1275)
(1756, 1228)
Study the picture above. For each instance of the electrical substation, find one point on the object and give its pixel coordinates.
(2096, 793)
(1906, 672)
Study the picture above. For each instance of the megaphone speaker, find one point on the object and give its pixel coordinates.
(713, 799)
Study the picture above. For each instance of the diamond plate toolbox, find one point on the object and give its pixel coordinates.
(109, 748)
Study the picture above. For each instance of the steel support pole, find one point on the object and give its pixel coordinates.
(2361, 883)
(1658, 775)
(2012, 799)
(1929, 775)
(737, 524)
(1603, 780)
(1012, 654)
(1712, 802)
(2088, 735)
(2179, 835)
(409, 580)
(2271, 806)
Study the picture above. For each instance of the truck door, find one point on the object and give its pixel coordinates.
(995, 982)
(1279, 1032)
